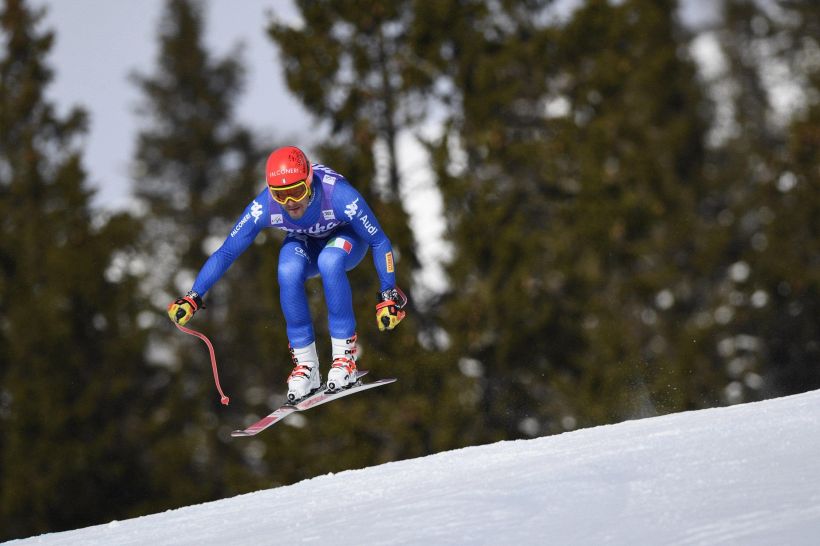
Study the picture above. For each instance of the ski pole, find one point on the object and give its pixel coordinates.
(207, 341)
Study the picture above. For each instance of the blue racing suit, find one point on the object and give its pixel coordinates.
(330, 239)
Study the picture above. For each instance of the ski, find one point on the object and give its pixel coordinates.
(283, 411)
(328, 396)
(321, 396)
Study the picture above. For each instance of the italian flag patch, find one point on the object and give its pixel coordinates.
(338, 242)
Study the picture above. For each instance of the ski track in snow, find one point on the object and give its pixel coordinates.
(746, 474)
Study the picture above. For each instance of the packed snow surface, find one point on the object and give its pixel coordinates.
(746, 474)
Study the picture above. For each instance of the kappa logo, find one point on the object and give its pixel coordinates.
(276, 219)
(256, 211)
(352, 209)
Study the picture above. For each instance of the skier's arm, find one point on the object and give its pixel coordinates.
(348, 203)
(391, 300)
(244, 232)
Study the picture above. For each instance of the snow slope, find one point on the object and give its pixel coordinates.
(747, 474)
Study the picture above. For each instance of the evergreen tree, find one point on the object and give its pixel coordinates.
(70, 342)
(793, 348)
(637, 239)
(582, 149)
(353, 67)
(195, 171)
(494, 60)
(349, 65)
(769, 292)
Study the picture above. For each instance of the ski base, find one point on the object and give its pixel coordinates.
(317, 398)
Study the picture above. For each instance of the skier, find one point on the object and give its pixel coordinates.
(329, 229)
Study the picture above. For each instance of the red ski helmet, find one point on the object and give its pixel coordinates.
(288, 166)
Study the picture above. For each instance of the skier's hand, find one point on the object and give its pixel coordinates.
(182, 309)
(389, 309)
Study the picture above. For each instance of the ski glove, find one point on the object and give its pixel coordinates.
(389, 309)
(182, 309)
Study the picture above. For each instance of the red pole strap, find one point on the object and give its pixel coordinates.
(207, 341)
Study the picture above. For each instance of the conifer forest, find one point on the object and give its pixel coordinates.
(627, 233)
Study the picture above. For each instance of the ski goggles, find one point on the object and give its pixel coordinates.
(295, 192)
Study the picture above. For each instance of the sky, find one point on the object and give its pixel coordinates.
(745, 474)
(99, 43)
(93, 61)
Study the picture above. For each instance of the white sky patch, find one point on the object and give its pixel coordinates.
(425, 206)
(785, 93)
(381, 162)
(557, 107)
(92, 63)
(706, 51)
(712, 64)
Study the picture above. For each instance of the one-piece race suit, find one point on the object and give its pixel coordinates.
(330, 239)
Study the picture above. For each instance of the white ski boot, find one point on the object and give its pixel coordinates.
(343, 371)
(305, 377)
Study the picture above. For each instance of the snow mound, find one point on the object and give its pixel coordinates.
(746, 474)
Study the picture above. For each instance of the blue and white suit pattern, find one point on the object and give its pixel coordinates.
(330, 239)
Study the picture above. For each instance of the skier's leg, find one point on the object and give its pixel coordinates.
(341, 254)
(295, 267)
